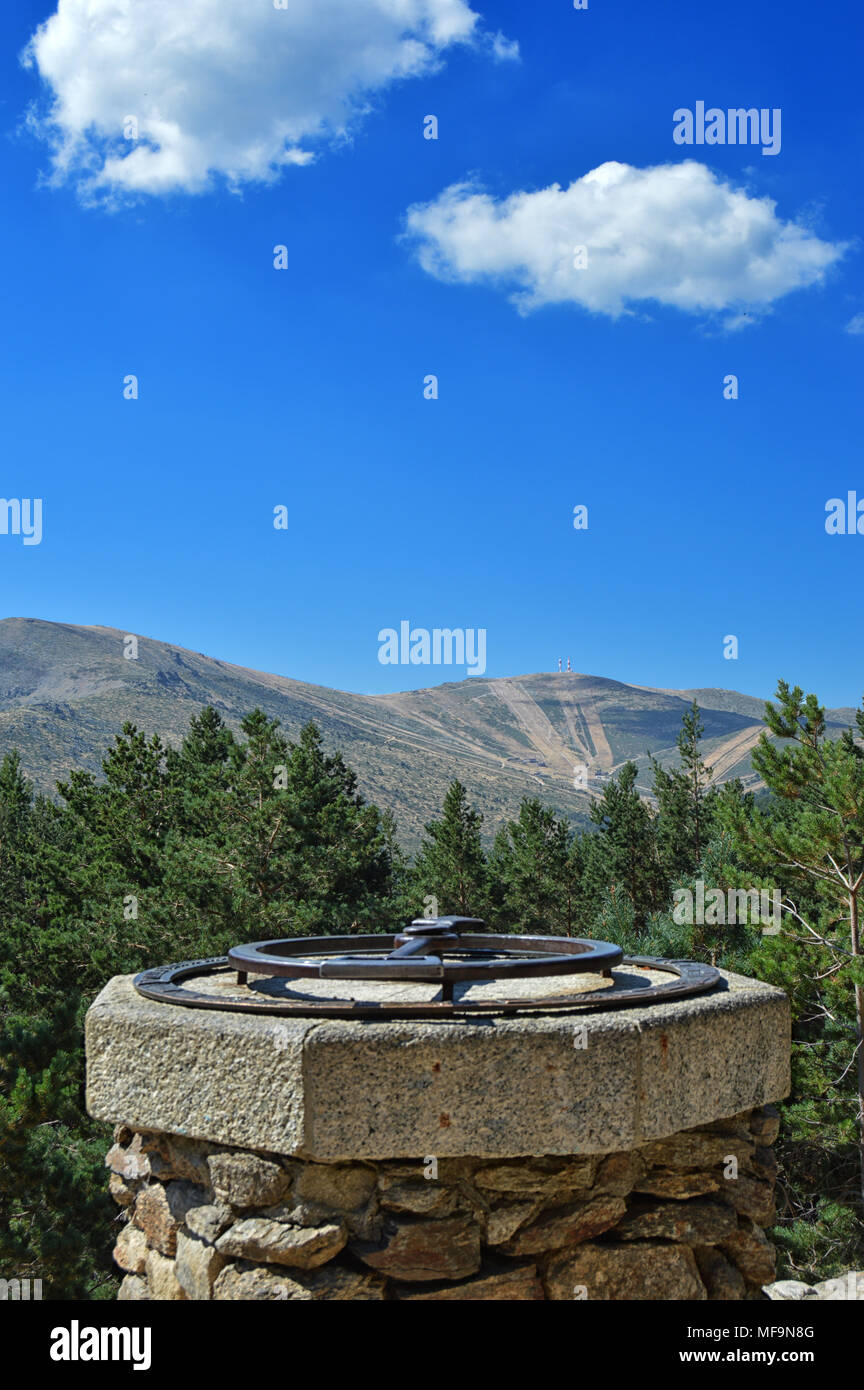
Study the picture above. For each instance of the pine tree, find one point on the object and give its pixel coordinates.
(171, 855)
(731, 926)
(819, 853)
(536, 873)
(686, 801)
(623, 852)
(274, 839)
(450, 865)
(199, 773)
(54, 1210)
(307, 853)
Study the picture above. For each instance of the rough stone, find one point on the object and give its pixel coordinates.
(196, 1266)
(221, 1075)
(765, 1125)
(123, 1192)
(252, 1283)
(435, 1230)
(128, 1162)
(453, 1172)
(715, 1064)
(751, 1251)
(184, 1197)
(133, 1290)
(519, 1284)
(697, 1149)
(153, 1216)
(161, 1278)
(335, 1284)
(750, 1197)
(765, 1164)
(208, 1222)
(459, 1168)
(641, 1271)
(733, 1124)
(154, 1148)
(160, 1211)
(275, 1242)
(163, 1170)
(840, 1289)
(698, 1221)
(722, 1280)
(331, 1284)
(247, 1180)
(535, 1179)
(345, 1090)
(566, 1226)
(502, 1222)
(417, 1196)
(341, 1187)
(786, 1289)
(843, 1287)
(619, 1173)
(678, 1186)
(363, 1224)
(130, 1252)
(188, 1158)
(311, 1187)
(416, 1251)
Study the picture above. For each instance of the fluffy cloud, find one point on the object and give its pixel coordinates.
(231, 87)
(675, 234)
(856, 324)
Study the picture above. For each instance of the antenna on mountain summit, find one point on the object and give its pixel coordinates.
(568, 663)
(559, 663)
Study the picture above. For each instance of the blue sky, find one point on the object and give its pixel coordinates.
(304, 387)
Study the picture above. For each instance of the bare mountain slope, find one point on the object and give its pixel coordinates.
(66, 690)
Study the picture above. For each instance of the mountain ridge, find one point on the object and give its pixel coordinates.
(66, 689)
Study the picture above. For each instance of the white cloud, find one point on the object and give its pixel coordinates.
(231, 87)
(675, 234)
(856, 324)
(504, 50)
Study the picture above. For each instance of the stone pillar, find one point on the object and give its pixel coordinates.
(617, 1155)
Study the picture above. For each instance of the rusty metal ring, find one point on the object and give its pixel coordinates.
(167, 984)
(436, 957)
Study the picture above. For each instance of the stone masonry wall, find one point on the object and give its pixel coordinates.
(679, 1218)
